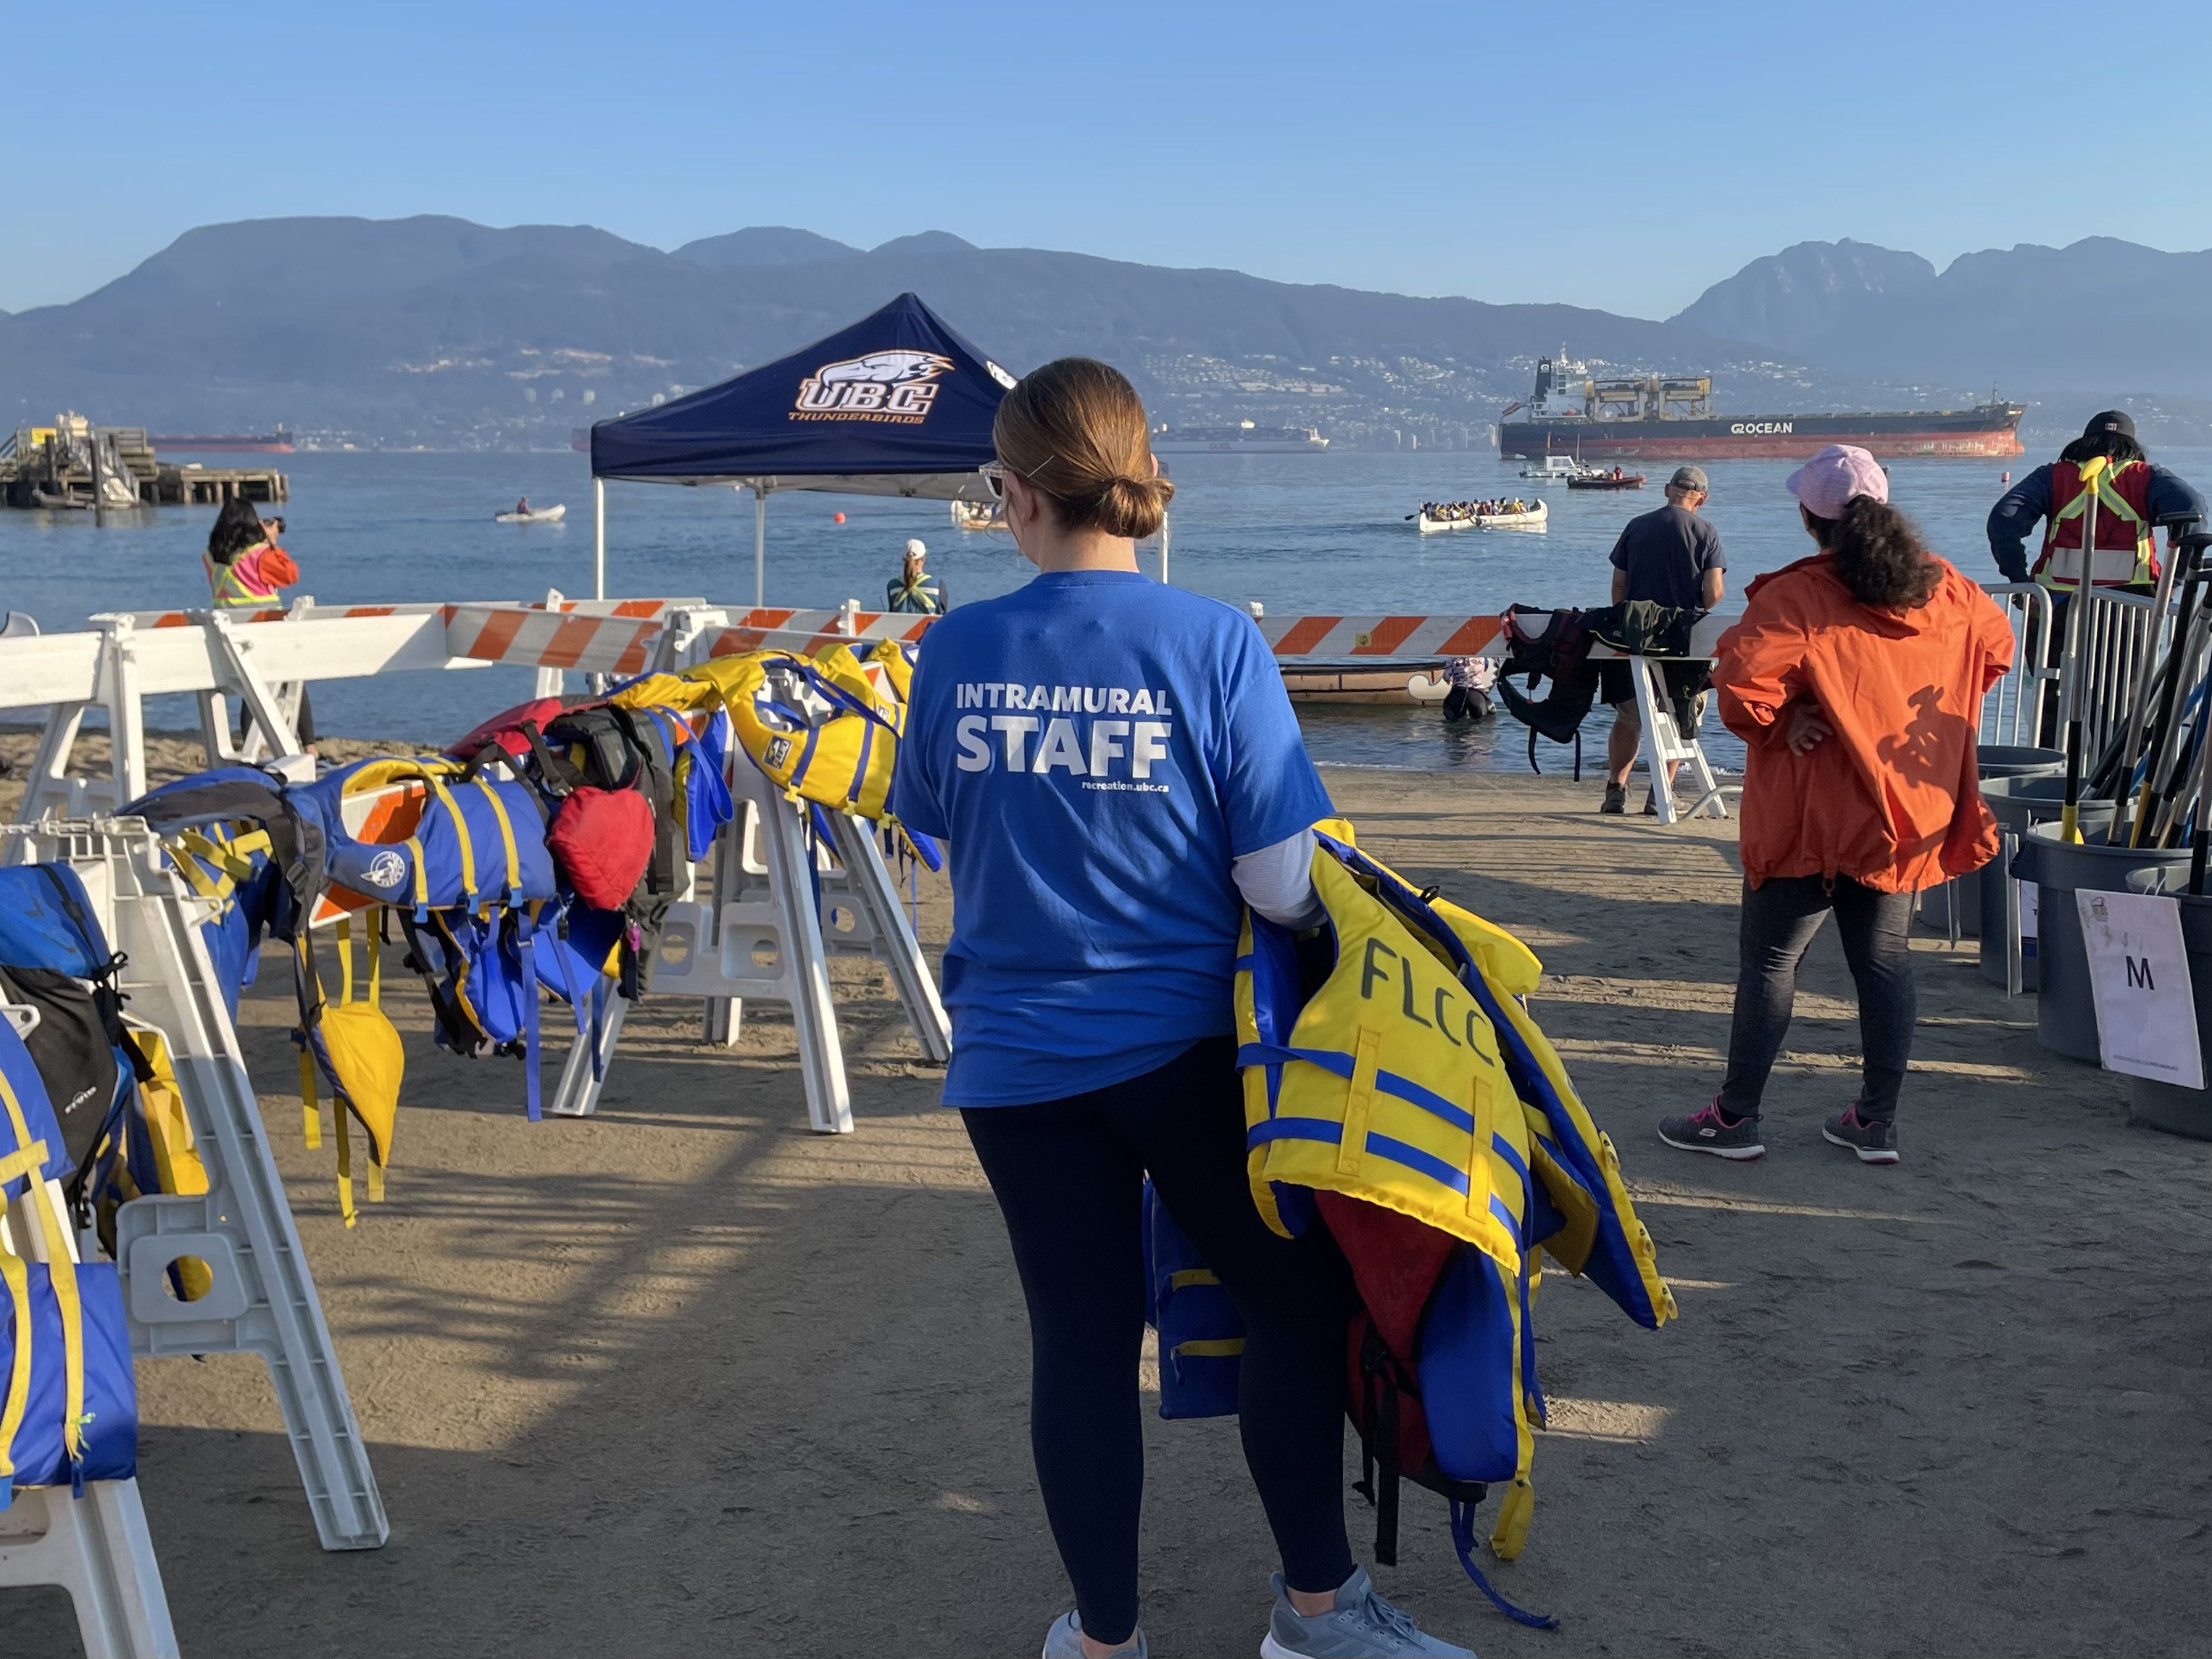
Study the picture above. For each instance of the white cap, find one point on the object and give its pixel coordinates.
(915, 549)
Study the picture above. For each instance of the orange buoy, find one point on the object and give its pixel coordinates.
(840, 518)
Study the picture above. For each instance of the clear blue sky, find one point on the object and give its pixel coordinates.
(1618, 155)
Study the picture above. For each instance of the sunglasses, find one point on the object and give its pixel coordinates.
(994, 479)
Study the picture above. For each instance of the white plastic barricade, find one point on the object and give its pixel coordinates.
(262, 1296)
(767, 945)
(98, 1548)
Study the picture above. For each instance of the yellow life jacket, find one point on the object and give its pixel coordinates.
(355, 1043)
(157, 1154)
(1414, 1078)
(825, 729)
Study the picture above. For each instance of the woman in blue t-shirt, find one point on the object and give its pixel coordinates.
(1118, 773)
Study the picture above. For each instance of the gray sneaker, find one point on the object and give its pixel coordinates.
(1361, 1625)
(1065, 1640)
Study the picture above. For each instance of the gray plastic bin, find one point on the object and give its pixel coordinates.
(2018, 802)
(2065, 1011)
(1995, 761)
(2168, 1105)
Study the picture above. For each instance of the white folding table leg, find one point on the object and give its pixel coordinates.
(1650, 712)
(98, 1548)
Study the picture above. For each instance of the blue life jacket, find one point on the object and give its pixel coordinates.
(68, 1405)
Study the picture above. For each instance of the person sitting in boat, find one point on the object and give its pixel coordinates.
(522, 507)
(914, 591)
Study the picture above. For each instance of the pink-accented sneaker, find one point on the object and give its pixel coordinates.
(1875, 1139)
(1705, 1132)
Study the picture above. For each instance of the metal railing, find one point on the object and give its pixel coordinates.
(2023, 709)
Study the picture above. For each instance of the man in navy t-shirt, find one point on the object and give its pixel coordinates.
(1096, 748)
(1673, 556)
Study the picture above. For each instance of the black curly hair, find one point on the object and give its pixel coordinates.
(237, 528)
(1878, 554)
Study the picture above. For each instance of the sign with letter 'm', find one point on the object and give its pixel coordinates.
(2139, 976)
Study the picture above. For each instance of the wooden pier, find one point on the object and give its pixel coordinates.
(73, 466)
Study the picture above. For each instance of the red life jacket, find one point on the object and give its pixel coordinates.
(2126, 553)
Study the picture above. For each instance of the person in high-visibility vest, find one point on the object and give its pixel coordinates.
(246, 569)
(914, 590)
(2105, 465)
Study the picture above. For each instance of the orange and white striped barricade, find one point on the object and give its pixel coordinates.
(1372, 659)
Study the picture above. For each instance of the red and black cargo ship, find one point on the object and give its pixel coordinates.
(1655, 417)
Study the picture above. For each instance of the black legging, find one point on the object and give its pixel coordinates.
(1069, 1175)
(1780, 916)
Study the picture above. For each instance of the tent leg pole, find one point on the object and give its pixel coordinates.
(599, 538)
(760, 548)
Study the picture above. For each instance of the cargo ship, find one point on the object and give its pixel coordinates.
(1243, 438)
(1658, 418)
(278, 442)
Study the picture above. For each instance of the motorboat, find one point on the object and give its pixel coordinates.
(1558, 469)
(536, 516)
(1606, 481)
(1535, 518)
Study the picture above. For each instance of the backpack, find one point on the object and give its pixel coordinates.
(54, 958)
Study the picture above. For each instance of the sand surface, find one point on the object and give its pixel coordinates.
(685, 1378)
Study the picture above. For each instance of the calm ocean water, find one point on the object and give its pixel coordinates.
(1298, 533)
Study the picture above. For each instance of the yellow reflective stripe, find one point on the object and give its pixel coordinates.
(18, 1276)
(506, 837)
(345, 960)
(1359, 1104)
(375, 966)
(1217, 1347)
(1190, 1276)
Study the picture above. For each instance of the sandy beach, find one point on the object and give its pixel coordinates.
(685, 1378)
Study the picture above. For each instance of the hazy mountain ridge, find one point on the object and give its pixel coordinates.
(435, 330)
(2100, 320)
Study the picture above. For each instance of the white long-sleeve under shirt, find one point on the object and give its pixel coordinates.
(1276, 882)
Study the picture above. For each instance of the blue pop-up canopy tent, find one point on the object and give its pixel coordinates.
(897, 404)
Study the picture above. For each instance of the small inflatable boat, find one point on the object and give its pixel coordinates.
(536, 516)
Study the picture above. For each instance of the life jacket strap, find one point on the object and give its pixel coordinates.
(1463, 1529)
(61, 1269)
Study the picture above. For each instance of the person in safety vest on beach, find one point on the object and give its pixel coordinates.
(914, 590)
(1116, 769)
(2105, 465)
(246, 569)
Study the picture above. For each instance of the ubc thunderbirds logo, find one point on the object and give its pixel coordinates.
(897, 387)
(388, 870)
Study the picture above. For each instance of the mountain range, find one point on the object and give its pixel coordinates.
(439, 332)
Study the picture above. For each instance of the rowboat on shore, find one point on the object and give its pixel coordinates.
(536, 516)
(1607, 481)
(1535, 518)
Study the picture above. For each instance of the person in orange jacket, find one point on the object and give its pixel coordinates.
(1855, 679)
